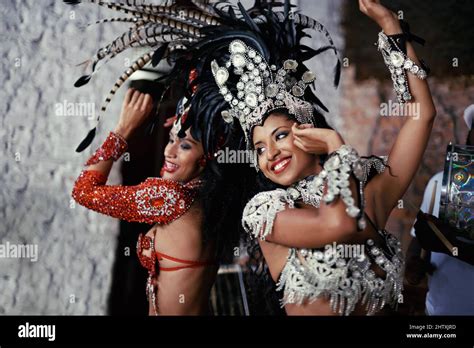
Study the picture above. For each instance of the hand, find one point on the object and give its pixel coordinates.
(316, 140)
(135, 109)
(386, 19)
(169, 121)
(428, 238)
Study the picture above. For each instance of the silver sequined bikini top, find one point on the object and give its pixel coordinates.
(340, 271)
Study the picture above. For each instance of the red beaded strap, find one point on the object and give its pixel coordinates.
(186, 263)
(112, 148)
(145, 243)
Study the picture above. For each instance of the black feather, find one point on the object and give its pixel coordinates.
(311, 97)
(159, 53)
(322, 49)
(286, 8)
(87, 140)
(82, 80)
(225, 36)
(304, 56)
(337, 73)
(247, 18)
(72, 2)
(232, 13)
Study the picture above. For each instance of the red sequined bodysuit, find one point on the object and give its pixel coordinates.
(154, 201)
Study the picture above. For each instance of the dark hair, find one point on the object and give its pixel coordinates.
(223, 199)
(221, 194)
(263, 297)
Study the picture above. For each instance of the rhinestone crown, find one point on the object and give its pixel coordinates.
(261, 88)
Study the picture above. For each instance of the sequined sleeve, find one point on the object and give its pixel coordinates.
(260, 212)
(156, 200)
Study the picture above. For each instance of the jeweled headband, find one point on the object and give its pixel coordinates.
(261, 88)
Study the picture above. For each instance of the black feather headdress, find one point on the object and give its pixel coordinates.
(190, 35)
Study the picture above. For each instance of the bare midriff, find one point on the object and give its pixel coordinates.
(183, 280)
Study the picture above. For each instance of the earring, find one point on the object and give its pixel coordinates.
(202, 161)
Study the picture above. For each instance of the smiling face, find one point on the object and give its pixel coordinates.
(182, 158)
(279, 159)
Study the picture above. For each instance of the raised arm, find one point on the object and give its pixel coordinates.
(136, 108)
(407, 151)
(153, 201)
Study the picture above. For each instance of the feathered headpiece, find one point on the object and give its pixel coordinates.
(194, 37)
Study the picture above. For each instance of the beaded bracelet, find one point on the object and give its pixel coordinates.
(337, 170)
(398, 64)
(112, 148)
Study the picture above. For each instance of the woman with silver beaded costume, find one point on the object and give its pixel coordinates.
(320, 228)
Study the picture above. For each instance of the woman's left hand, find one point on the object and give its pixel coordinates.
(386, 19)
(316, 140)
(136, 108)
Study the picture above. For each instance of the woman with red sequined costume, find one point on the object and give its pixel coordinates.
(184, 279)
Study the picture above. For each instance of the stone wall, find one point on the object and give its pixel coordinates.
(42, 41)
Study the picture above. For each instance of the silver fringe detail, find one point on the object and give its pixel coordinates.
(347, 280)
